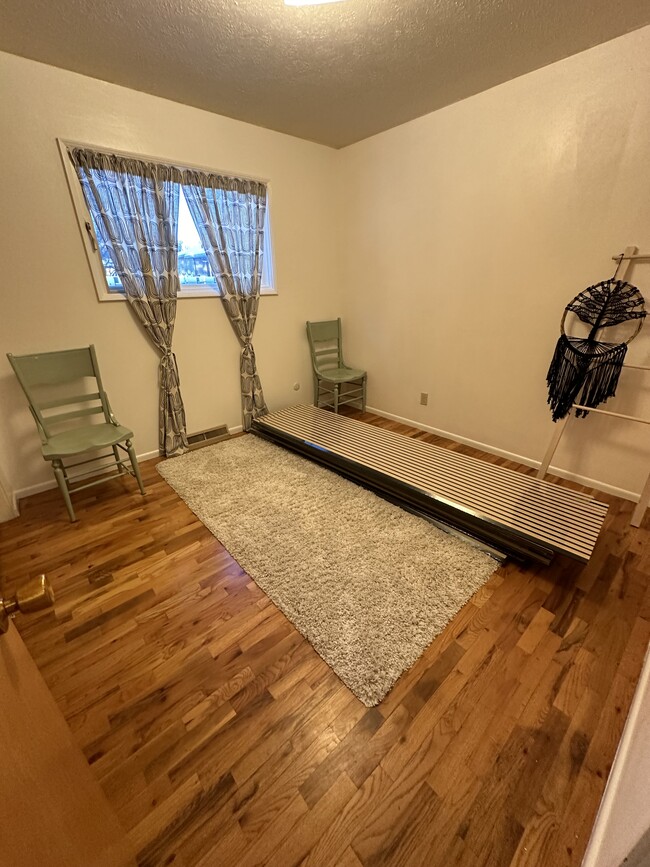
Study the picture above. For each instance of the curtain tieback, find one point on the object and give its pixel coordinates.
(247, 363)
(168, 369)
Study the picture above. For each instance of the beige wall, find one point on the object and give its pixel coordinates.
(468, 230)
(48, 299)
(449, 245)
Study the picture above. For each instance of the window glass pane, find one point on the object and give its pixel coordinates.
(193, 267)
(267, 254)
(112, 280)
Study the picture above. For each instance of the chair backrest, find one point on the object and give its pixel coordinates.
(56, 383)
(325, 345)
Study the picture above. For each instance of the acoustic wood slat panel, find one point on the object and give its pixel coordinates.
(564, 520)
(444, 487)
(503, 486)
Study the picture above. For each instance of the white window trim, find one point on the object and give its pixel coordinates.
(84, 221)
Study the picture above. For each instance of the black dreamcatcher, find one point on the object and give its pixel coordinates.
(585, 370)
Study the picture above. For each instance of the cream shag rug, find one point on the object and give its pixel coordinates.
(368, 584)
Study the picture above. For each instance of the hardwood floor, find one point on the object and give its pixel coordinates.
(221, 738)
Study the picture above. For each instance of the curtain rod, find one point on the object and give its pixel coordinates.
(71, 143)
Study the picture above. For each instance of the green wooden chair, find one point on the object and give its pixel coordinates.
(335, 383)
(56, 385)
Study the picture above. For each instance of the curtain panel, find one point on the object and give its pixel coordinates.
(229, 216)
(134, 205)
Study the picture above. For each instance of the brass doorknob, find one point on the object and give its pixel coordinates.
(35, 595)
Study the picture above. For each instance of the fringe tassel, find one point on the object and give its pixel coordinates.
(577, 365)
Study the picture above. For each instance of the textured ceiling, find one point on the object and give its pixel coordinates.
(334, 73)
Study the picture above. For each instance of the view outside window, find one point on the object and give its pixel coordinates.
(193, 267)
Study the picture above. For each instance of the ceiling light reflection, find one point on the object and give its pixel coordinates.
(309, 2)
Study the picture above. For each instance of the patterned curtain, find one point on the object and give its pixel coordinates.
(134, 206)
(229, 217)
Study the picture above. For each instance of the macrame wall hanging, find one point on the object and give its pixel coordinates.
(585, 370)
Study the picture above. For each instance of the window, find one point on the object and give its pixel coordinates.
(195, 275)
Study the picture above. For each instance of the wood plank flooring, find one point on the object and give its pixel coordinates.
(221, 738)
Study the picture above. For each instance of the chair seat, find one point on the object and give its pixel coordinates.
(85, 439)
(341, 374)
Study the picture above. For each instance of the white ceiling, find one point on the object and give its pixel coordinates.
(334, 73)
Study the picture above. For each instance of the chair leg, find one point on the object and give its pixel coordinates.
(336, 397)
(316, 390)
(134, 464)
(59, 474)
(363, 395)
(118, 460)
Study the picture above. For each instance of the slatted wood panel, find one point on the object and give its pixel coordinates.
(531, 509)
(221, 738)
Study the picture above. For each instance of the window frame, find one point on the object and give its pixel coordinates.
(85, 224)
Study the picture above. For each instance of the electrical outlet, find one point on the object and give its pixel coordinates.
(424, 398)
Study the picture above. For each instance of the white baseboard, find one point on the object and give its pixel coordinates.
(147, 456)
(47, 485)
(21, 493)
(511, 456)
(484, 447)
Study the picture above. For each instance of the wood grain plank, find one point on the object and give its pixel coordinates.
(221, 737)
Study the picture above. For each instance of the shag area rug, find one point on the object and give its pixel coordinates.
(368, 584)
